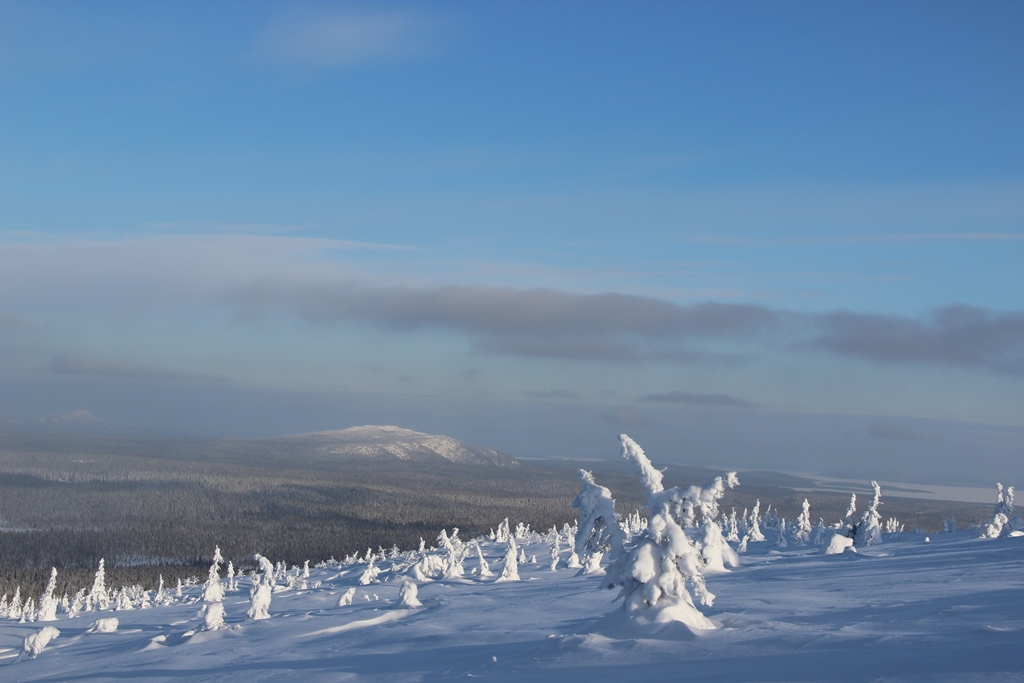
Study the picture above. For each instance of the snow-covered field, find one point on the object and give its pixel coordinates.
(912, 609)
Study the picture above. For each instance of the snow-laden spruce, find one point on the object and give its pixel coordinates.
(663, 560)
(802, 529)
(869, 531)
(213, 617)
(598, 531)
(213, 591)
(510, 570)
(98, 598)
(48, 603)
(484, 568)
(262, 590)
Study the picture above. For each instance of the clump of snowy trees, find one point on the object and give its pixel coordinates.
(658, 567)
(857, 533)
(1005, 521)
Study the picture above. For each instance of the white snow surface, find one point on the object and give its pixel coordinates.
(947, 610)
(387, 441)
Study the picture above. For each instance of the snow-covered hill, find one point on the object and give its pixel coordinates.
(946, 608)
(388, 442)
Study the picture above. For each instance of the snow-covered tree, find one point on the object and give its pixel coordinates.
(123, 600)
(28, 612)
(213, 591)
(754, 524)
(598, 531)
(98, 598)
(869, 531)
(851, 510)
(510, 570)
(262, 590)
(781, 541)
(802, 528)
(77, 603)
(485, 569)
(893, 526)
(821, 532)
(369, 574)
(732, 529)
(428, 568)
(213, 618)
(48, 603)
(443, 542)
(573, 561)
(844, 532)
(663, 560)
(714, 550)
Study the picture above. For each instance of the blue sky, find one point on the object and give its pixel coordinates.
(529, 225)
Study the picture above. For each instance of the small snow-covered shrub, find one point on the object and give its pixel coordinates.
(781, 542)
(714, 550)
(484, 569)
(369, 574)
(213, 619)
(753, 532)
(347, 597)
(893, 526)
(28, 612)
(106, 625)
(37, 642)
(429, 567)
(510, 570)
(407, 595)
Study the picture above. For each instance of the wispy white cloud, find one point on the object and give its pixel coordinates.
(340, 39)
(867, 238)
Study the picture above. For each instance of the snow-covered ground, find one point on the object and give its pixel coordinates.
(912, 609)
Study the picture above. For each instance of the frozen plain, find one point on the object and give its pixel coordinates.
(950, 608)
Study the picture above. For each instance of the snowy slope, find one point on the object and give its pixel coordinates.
(951, 609)
(386, 442)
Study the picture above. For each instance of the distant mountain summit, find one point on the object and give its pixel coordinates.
(381, 442)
